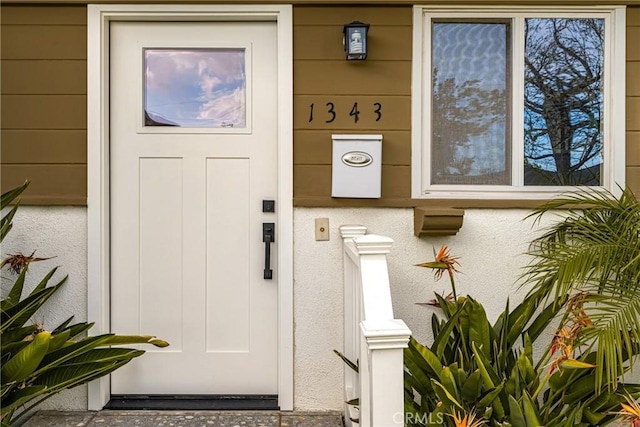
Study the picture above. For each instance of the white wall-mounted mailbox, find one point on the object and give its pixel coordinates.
(356, 166)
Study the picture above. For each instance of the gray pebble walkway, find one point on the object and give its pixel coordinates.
(184, 419)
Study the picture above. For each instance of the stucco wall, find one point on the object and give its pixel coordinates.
(489, 244)
(59, 232)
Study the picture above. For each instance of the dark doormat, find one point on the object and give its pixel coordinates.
(190, 402)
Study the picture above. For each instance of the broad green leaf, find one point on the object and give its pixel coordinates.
(444, 394)
(441, 340)
(104, 355)
(16, 290)
(488, 381)
(575, 364)
(17, 334)
(18, 314)
(471, 388)
(65, 377)
(45, 280)
(479, 327)
(61, 327)
(491, 397)
(9, 196)
(21, 396)
(57, 341)
(422, 382)
(112, 339)
(424, 354)
(543, 320)
(447, 380)
(516, 417)
(25, 362)
(530, 411)
(6, 223)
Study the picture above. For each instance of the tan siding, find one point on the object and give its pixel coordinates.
(314, 181)
(633, 78)
(44, 15)
(44, 117)
(44, 112)
(633, 179)
(50, 184)
(633, 148)
(395, 112)
(44, 42)
(385, 43)
(335, 15)
(383, 81)
(44, 146)
(314, 148)
(633, 114)
(47, 117)
(329, 77)
(633, 47)
(44, 77)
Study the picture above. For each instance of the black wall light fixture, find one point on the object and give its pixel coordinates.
(355, 40)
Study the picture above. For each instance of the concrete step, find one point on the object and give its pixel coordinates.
(184, 419)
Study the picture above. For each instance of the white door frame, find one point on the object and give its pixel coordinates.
(98, 18)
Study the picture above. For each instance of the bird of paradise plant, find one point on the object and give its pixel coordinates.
(630, 412)
(475, 367)
(37, 363)
(468, 420)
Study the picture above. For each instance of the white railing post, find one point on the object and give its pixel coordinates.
(372, 334)
(352, 303)
(386, 340)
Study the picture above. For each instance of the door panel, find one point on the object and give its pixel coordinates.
(186, 204)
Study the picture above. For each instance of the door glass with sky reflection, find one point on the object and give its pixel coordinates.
(470, 137)
(197, 88)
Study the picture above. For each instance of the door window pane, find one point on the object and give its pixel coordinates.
(564, 63)
(470, 134)
(198, 88)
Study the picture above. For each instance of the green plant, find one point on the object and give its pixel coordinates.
(593, 254)
(474, 367)
(37, 363)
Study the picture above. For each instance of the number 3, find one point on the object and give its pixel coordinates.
(378, 111)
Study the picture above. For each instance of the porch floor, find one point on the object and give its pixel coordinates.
(184, 419)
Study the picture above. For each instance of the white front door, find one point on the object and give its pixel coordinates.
(193, 149)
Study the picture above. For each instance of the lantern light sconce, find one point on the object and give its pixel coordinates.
(355, 40)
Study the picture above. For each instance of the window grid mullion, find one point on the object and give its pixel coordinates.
(517, 104)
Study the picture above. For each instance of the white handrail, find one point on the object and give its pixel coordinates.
(372, 335)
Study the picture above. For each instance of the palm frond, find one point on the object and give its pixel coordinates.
(593, 249)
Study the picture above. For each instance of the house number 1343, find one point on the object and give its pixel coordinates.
(330, 113)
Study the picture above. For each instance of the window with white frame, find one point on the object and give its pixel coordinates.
(517, 102)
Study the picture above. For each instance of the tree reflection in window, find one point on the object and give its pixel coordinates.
(563, 101)
(469, 124)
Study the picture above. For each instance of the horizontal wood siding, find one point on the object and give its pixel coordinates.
(43, 90)
(633, 100)
(322, 75)
(379, 89)
(43, 100)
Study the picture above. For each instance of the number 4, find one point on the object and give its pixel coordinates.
(354, 112)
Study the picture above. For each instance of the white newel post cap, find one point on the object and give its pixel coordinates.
(385, 334)
(372, 244)
(351, 231)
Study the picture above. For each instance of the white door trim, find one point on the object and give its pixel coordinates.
(98, 18)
